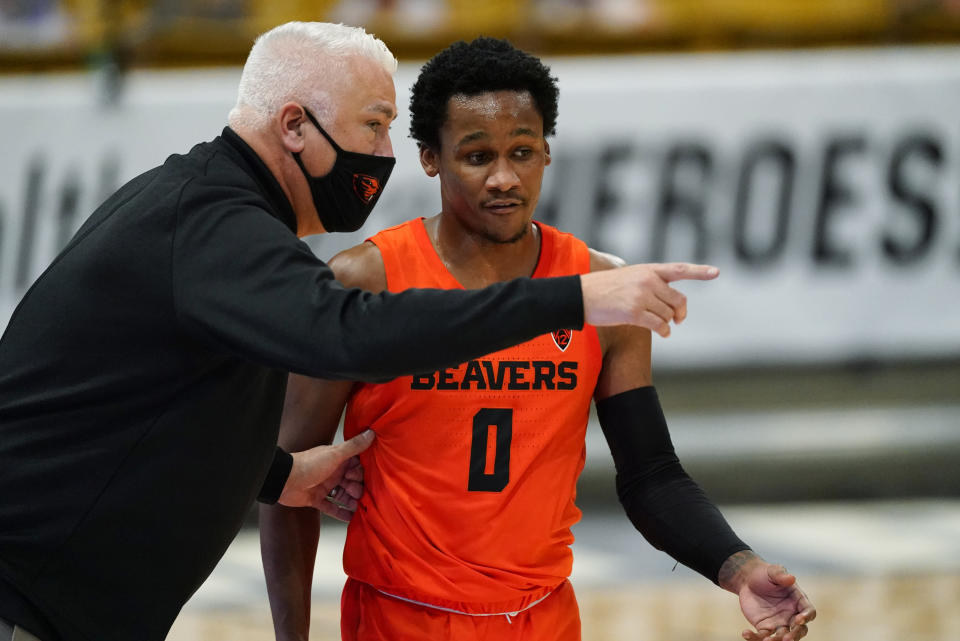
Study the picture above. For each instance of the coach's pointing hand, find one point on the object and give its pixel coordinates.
(328, 472)
(640, 295)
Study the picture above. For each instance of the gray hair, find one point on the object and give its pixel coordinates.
(301, 61)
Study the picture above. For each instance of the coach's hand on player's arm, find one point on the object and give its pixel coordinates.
(770, 598)
(328, 477)
(640, 294)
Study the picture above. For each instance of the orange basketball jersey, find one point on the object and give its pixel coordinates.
(471, 481)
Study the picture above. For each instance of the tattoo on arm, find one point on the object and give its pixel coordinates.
(730, 570)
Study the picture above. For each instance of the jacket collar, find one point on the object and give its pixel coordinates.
(259, 171)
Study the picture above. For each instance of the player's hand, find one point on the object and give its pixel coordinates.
(773, 603)
(328, 477)
(640, 295)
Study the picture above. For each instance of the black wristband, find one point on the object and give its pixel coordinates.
(276, 477)
(667, 507)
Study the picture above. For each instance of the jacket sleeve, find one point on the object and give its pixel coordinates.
(244, 283)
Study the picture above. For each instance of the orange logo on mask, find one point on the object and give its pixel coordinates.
(366, 187)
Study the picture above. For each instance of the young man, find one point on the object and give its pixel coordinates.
(463, 532)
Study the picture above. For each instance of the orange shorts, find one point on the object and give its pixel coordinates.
(367, 614)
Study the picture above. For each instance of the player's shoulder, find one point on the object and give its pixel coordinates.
(360, 266)
(573, 245)
(600, 261)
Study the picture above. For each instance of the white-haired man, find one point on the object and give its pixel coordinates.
(142, 376)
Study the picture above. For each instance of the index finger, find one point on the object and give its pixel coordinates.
(354, 469)
(685, 271)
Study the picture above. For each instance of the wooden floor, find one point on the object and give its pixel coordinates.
(891, 608)
(879, 571)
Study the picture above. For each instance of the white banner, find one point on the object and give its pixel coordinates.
(825, 185)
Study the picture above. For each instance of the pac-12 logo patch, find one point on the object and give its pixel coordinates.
(561, 338)
(365, 186)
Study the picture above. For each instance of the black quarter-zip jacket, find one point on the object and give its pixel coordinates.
(142, 379)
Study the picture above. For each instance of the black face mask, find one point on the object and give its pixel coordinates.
(346, 195)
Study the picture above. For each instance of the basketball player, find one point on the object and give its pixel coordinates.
(464, 530)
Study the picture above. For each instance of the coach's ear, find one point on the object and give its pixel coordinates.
(430, 160)
(546, 153)
(289, 122)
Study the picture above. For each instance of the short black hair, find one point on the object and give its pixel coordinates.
(471, 68)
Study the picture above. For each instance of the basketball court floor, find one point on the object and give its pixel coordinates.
(883, 570)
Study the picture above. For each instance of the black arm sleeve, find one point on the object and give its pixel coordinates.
(663, 502)
(276, 477)
(243, 283)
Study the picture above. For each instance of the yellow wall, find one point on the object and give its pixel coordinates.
(203, 32)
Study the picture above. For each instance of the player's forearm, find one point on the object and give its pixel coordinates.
(288, 547)
(665, 505)
(672, 512)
